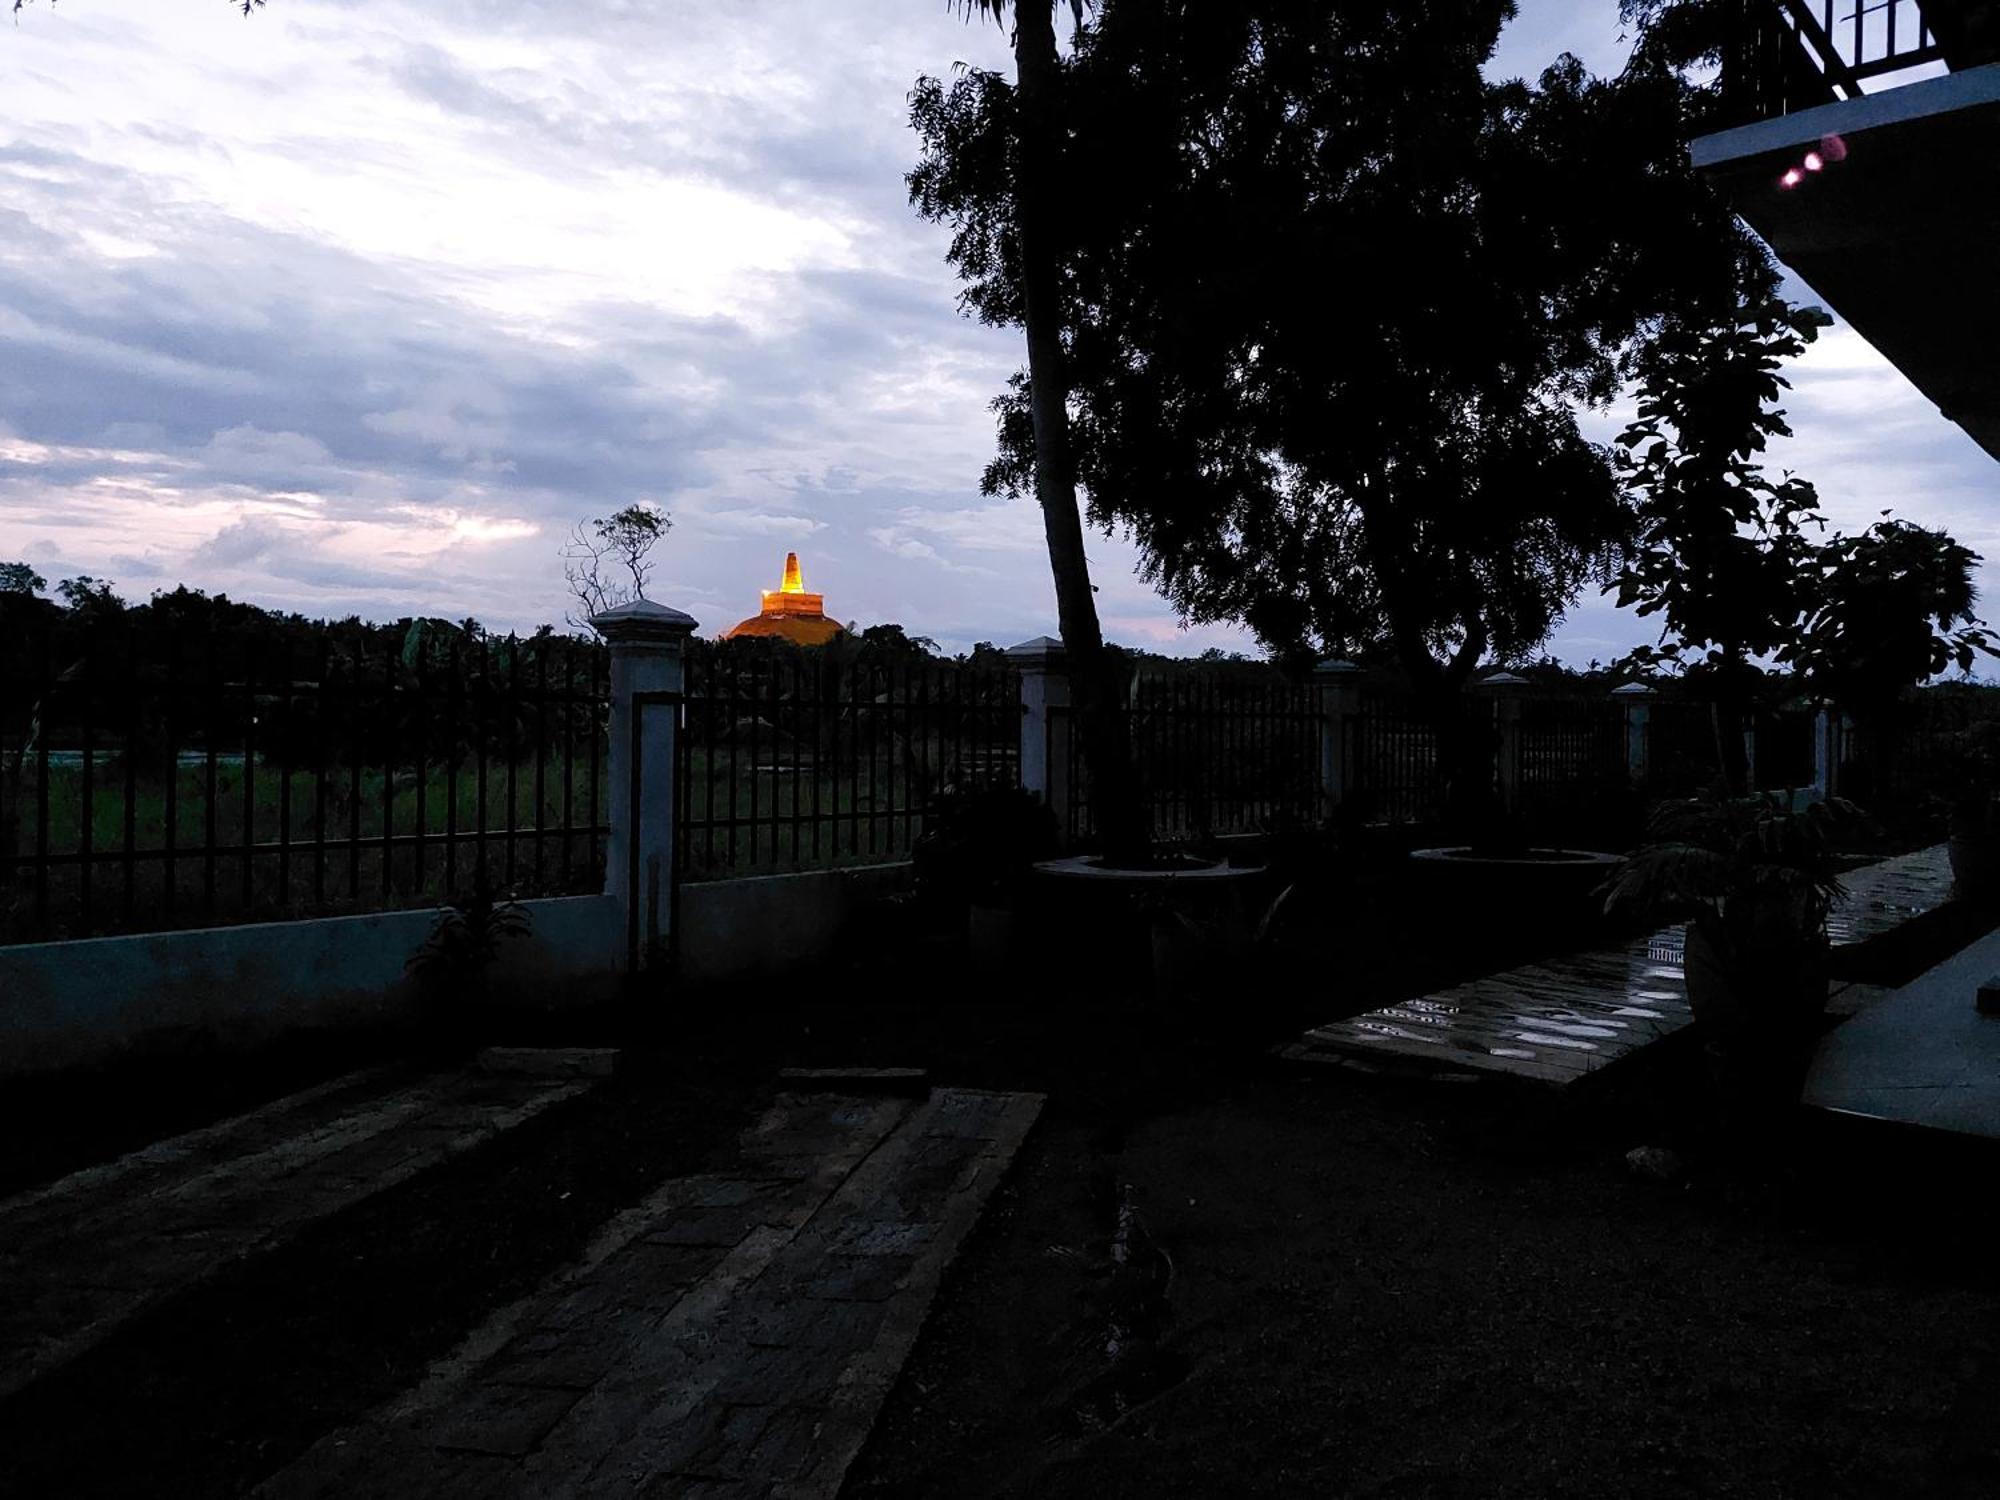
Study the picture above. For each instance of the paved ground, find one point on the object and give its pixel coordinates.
(1557, 1022)
(1405, 1293)
(1881, 897)
(732, 1336)
(1922, 1054)
(1550, 1023)
(85, 1255)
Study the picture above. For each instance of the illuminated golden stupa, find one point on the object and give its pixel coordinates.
(790, 613)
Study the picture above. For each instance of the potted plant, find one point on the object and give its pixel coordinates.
(1755, 882)
(974, 856)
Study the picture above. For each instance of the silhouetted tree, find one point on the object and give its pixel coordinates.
(89, 597)
(1027, 164)
(598, 550)
(1722, 555)
(1886, 610)
(19, 578)
(1331, 303)
(893, 640)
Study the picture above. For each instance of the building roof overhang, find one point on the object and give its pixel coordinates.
(1899, 236)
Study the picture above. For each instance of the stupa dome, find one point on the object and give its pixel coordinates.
(789, 613)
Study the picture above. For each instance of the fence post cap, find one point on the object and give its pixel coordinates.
(643, 620)
(1045, 652)
(1335, 666)
(1635, 690)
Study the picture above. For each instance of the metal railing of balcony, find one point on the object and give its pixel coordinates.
(1788, 55)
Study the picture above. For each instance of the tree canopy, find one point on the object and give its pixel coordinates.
(1889, 607)
(1721, 556)
(1332, 303)
(599, 550)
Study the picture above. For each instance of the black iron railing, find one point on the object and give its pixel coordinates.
(1217, 750)
(1396, 769)
(1932, 754)
(154, 777)
(1786, 55)
(1568, 744)
(796, 759)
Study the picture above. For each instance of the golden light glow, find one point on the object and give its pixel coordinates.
(790, 612)
(794, 582)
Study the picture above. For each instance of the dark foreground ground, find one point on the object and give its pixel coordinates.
(1379, 1294)
(1321, 1283)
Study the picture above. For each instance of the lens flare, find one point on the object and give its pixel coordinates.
(1814, 161)
(1792, 178)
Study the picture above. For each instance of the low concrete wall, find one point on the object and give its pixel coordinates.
(762, 926)
(93, 1000)
(63, 1004)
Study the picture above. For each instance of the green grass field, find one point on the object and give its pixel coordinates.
(317, 844)
(344, 841)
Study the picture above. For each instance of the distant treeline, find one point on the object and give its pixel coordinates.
(189, 671)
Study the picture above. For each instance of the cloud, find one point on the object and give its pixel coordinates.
(361, 308)
(239, 543)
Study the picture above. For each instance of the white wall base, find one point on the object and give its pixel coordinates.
(87, 1001)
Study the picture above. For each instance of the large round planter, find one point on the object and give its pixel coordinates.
(1536, 890)
(1170, 925)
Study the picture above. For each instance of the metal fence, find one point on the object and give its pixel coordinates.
(154, 777)
(1787, 55)
(795, 759)
(1570, 749)
(1929, 759)
(1564, 744)
(1216, 749)
(1397, 771)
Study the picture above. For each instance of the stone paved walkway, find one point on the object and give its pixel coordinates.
(1558, 1022)
(85, 1255)
(1881, 897)
(732, 1336)
(1920, 1055)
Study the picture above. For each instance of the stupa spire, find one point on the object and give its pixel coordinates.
(790, 612)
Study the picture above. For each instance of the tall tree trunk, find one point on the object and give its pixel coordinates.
(1097, 681)
(1461, 730)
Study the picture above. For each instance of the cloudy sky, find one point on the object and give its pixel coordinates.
(358, 305)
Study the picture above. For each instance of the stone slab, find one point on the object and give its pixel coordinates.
(763, 1375)
(1920, 1055)
(914, 1082)
(1558, 1022)
(95, 1250)
(549, 1062)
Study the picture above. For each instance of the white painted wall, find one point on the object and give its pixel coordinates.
(88, 1001)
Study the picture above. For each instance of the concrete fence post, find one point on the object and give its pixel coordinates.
(1504, 690)
(1338, 684)
(648, 672)
(1045, 724)
(1636, 698)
